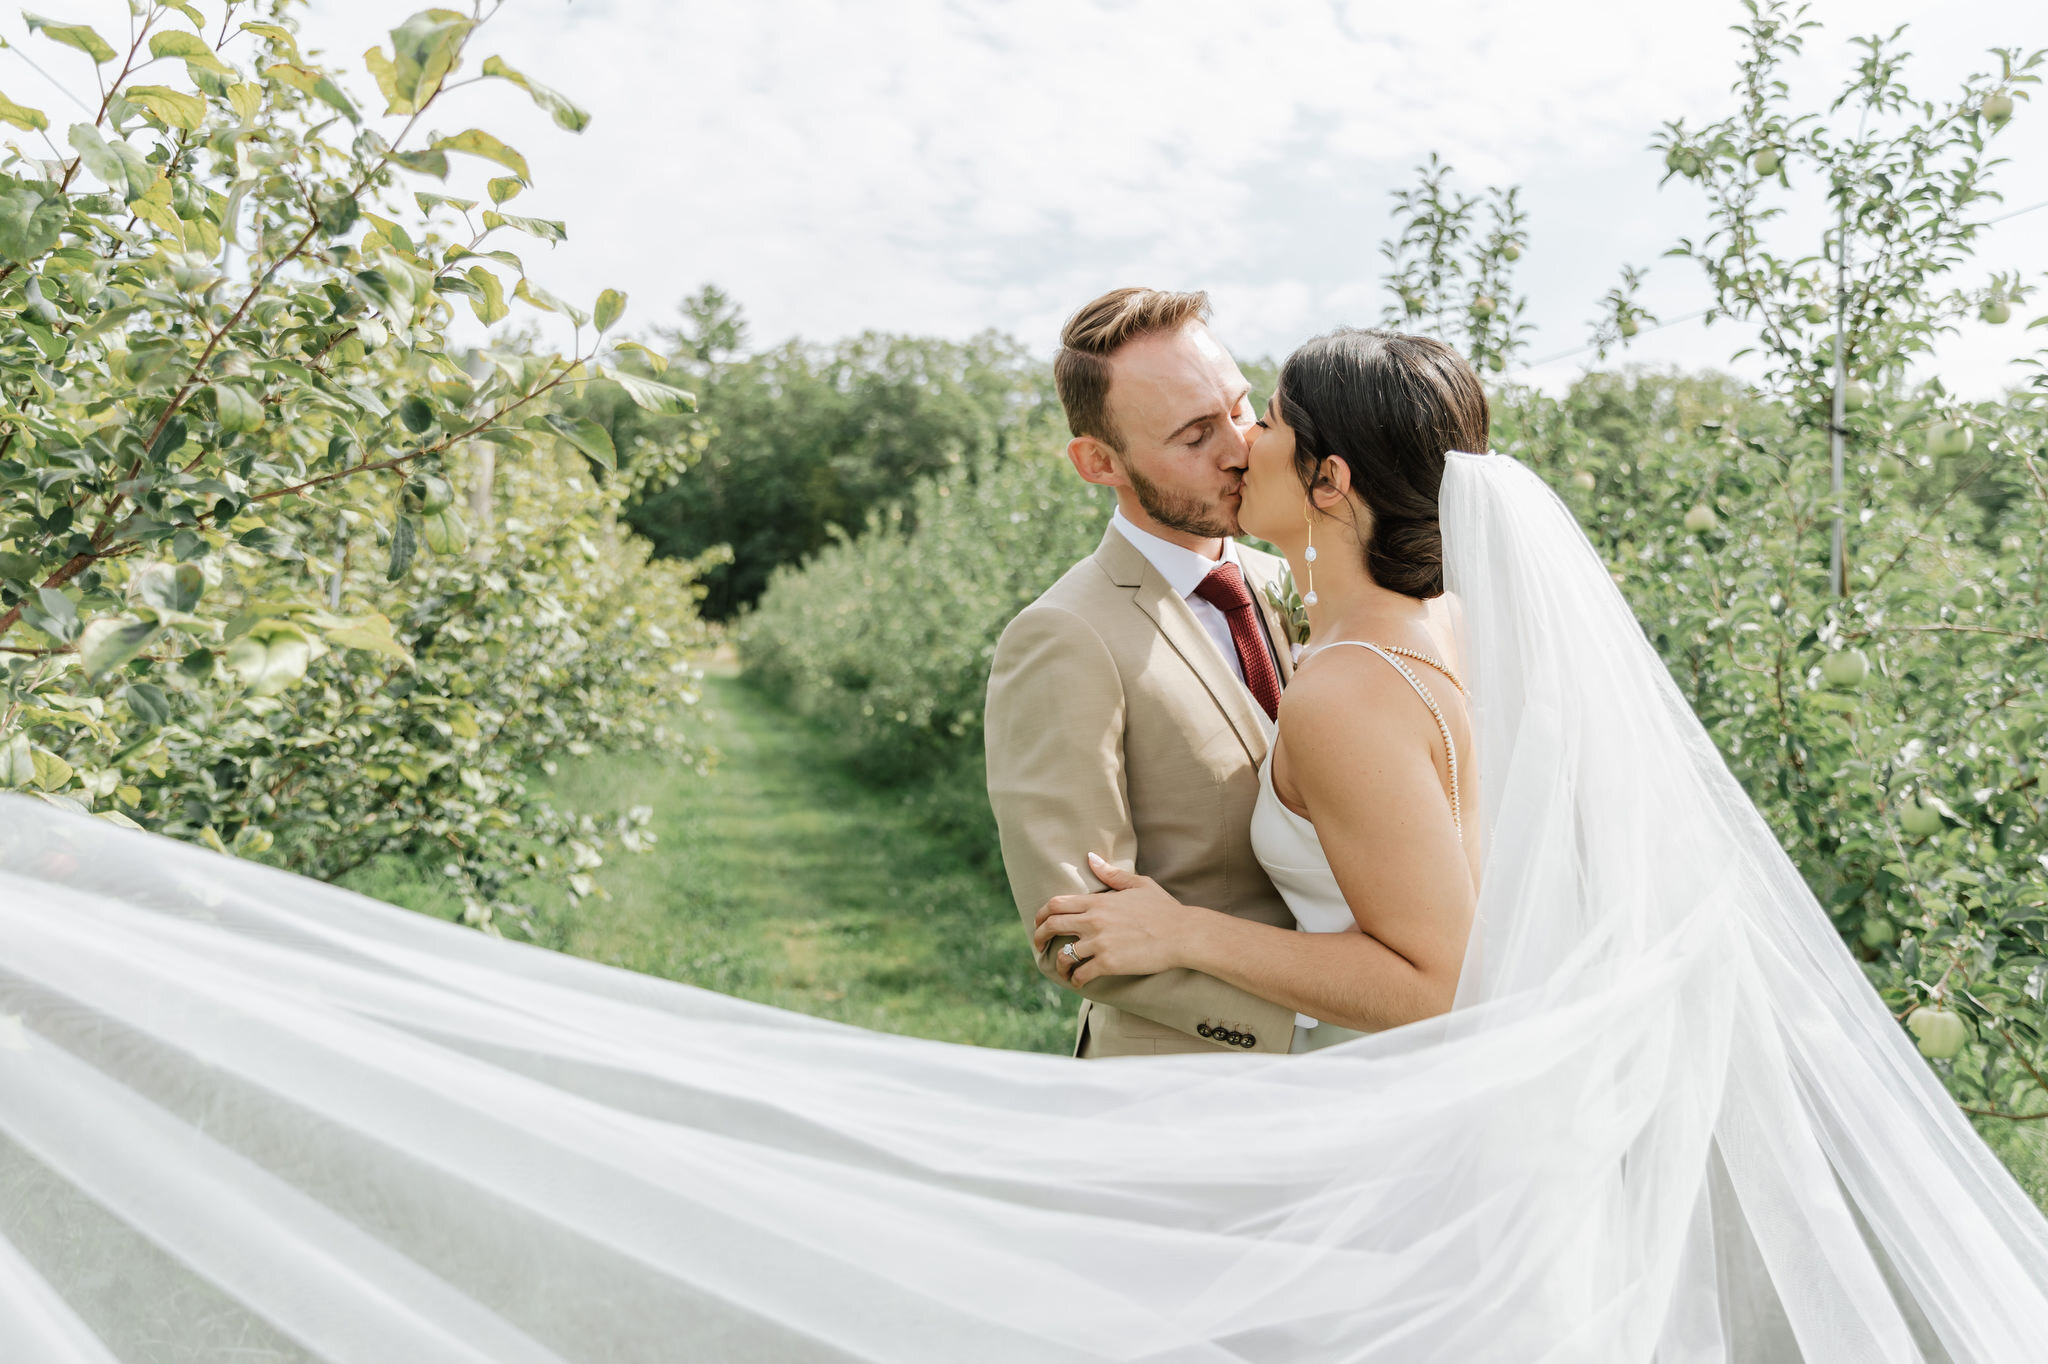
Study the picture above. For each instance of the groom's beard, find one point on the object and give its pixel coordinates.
(1178, 511)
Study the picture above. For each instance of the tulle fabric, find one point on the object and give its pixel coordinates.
(249, 1117)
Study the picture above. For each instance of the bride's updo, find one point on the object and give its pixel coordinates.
(1390, 406)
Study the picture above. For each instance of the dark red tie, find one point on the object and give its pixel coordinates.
(1224, 589)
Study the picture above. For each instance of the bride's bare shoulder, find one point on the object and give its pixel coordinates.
(1338, 692)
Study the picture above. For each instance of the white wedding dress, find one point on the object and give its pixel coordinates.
(248, 1117)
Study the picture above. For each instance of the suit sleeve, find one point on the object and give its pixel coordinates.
(1054, 732)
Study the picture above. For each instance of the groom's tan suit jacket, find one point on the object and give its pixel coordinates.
(1116, 726)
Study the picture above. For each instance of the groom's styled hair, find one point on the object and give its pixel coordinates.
(1081, 370)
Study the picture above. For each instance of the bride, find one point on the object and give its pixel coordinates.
(1622, 1097)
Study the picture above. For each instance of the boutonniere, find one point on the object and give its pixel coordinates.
(1287, 604)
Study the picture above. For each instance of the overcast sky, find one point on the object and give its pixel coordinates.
(943, 166)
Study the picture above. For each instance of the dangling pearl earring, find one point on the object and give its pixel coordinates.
(1308, 514)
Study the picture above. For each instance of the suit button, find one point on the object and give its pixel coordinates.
(1234, 1037)
(1204, 1030)
(1245, 1039)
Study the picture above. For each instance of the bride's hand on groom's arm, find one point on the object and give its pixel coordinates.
(1132, 929)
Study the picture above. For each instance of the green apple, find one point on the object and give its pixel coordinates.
(1585, 480)
(1856, 396)
(1947, 439)
(1941, 1031)
(1767, 161)
(1878, 932)
(1496, 363)
(1969, 597)
(1701, 519)
(1998, 106)
(1817, 312)
(1629, 326)
(1996, 311)
(1511, 252)
(1846, 669)
(1482, 305)
(1919, 819)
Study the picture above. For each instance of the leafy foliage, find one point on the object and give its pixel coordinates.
(887, 638)
(225, 376)
(800, 441)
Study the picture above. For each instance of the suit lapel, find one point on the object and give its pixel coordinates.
(1151, 595)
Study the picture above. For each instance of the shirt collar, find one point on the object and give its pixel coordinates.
(1182, 568)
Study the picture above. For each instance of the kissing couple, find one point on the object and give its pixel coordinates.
(1589, 1074)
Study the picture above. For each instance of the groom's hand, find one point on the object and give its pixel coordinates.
(1132, 929)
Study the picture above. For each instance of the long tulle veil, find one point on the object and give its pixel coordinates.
(246, 1116)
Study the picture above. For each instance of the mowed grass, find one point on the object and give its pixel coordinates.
(783, 878)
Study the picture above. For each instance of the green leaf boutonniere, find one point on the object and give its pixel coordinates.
(1287, 604)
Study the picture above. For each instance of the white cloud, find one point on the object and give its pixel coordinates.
(949, 165)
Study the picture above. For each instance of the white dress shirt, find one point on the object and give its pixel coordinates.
(1184, 570)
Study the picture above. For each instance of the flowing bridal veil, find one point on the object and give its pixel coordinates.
(246, 1116)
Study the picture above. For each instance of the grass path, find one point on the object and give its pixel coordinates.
(783, 878)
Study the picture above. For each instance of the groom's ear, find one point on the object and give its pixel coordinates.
(1095, 461)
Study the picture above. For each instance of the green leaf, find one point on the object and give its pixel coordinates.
(503, 187)
(29, 223)
(652, 395)
(565, 114)
(491, 307)
(370, 632)
(278, 34)
(52, 772)
(111, 641)
(654, 358)
(240, 411)
(445, 532)
(170, 590)
(117, 164)
(17, 761)
(404, 544)
(540, 298)
(173, 107)
(610, 304)
(429, 202)
(547, 229)
(53, 613)
(426, 163)
(586, 435)
(21, 116)
(149, 703)
(477, 142)
(328, 93)
(79, 36)
(187, 47)
(272, 661)
(247, 99)
(423, 51)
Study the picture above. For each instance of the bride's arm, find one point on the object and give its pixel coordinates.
(1370, 783)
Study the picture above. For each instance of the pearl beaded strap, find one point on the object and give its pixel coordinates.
(1387, 652)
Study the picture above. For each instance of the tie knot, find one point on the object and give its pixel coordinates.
(1224, 589)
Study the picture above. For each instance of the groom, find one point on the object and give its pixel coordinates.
(1129, 707)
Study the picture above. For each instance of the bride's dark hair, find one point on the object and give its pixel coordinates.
(1390, 406)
